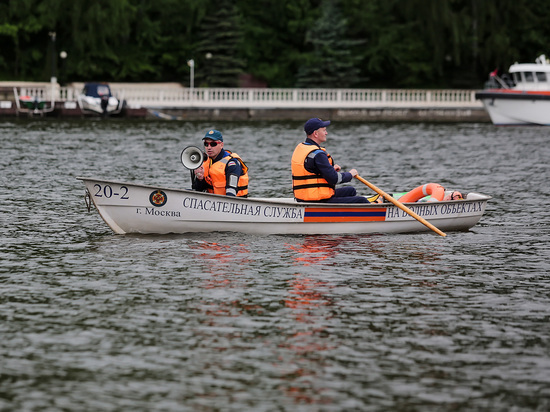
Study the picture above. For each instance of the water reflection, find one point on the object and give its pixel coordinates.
(216, 258)
(309, 301)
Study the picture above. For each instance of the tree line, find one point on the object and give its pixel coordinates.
(276, 43)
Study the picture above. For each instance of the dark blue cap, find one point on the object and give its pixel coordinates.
(314, 124)
(214, 135)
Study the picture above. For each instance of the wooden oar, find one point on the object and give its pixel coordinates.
(400, 205)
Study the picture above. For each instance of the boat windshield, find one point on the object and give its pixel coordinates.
(529, 77)
(103, 90)
(97, 90)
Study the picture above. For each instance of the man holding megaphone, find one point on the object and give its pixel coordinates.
(223, 172)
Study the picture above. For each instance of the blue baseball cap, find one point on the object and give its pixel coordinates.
(314, 124)
(214, 135)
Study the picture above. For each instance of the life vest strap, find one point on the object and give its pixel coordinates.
(308, 177)
(310, 185)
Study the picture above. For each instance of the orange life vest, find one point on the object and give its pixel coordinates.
(307, 186)
(214, 175)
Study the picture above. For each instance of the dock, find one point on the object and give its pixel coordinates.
(173, 101)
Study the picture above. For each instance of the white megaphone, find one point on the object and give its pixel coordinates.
(192, 157)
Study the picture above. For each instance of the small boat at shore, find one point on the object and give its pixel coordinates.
(137, 208)
(521, 97)
(32, 105)
(97, 98)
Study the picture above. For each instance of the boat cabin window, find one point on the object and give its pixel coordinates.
(529, 76)
(541, 76)
(517, 77)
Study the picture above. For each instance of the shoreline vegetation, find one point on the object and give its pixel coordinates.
(310, 44)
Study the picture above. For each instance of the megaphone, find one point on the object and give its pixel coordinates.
(192, 157)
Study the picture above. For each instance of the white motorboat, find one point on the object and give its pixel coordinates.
(96, 98)
(523, 98)
(137, 208)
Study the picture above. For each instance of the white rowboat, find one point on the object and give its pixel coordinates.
(136, 208)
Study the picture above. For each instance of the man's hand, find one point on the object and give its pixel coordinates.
(337, 168)
(353, 172)
(199, 173)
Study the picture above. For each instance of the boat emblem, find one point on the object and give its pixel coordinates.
(158, 198)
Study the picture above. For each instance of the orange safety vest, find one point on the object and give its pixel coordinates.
(307, 186)
(214, 175)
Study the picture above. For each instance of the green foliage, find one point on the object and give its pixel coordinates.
(274, 34)
(217, 51)
(331, 62)
(285, 43)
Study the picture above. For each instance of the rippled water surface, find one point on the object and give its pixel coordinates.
(92, 321)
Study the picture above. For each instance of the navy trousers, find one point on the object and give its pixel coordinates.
(346, 194)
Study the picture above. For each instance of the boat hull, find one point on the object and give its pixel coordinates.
(133, 208)
(93, 105)
(509, 107)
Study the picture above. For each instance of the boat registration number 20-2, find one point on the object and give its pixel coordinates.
(108, 192)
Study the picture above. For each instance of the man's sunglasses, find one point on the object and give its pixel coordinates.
(211, 144)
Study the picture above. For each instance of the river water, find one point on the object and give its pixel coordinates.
(94, 321)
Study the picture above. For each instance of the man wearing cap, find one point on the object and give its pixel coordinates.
(223, 173)
(314, 174)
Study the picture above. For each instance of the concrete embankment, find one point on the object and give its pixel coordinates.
(173, 101)
(446, 115)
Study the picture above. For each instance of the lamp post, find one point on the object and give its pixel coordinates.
(53, 79)
(191, 64)
(63, 55)
(208, 70)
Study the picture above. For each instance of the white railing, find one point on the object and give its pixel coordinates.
(179, 97)
(300, 98)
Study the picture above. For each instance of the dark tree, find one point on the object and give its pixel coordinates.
(274, 33)
(216, 55)
(331, 63)
(285, 43)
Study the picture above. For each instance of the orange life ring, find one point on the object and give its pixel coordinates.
(436, 191)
